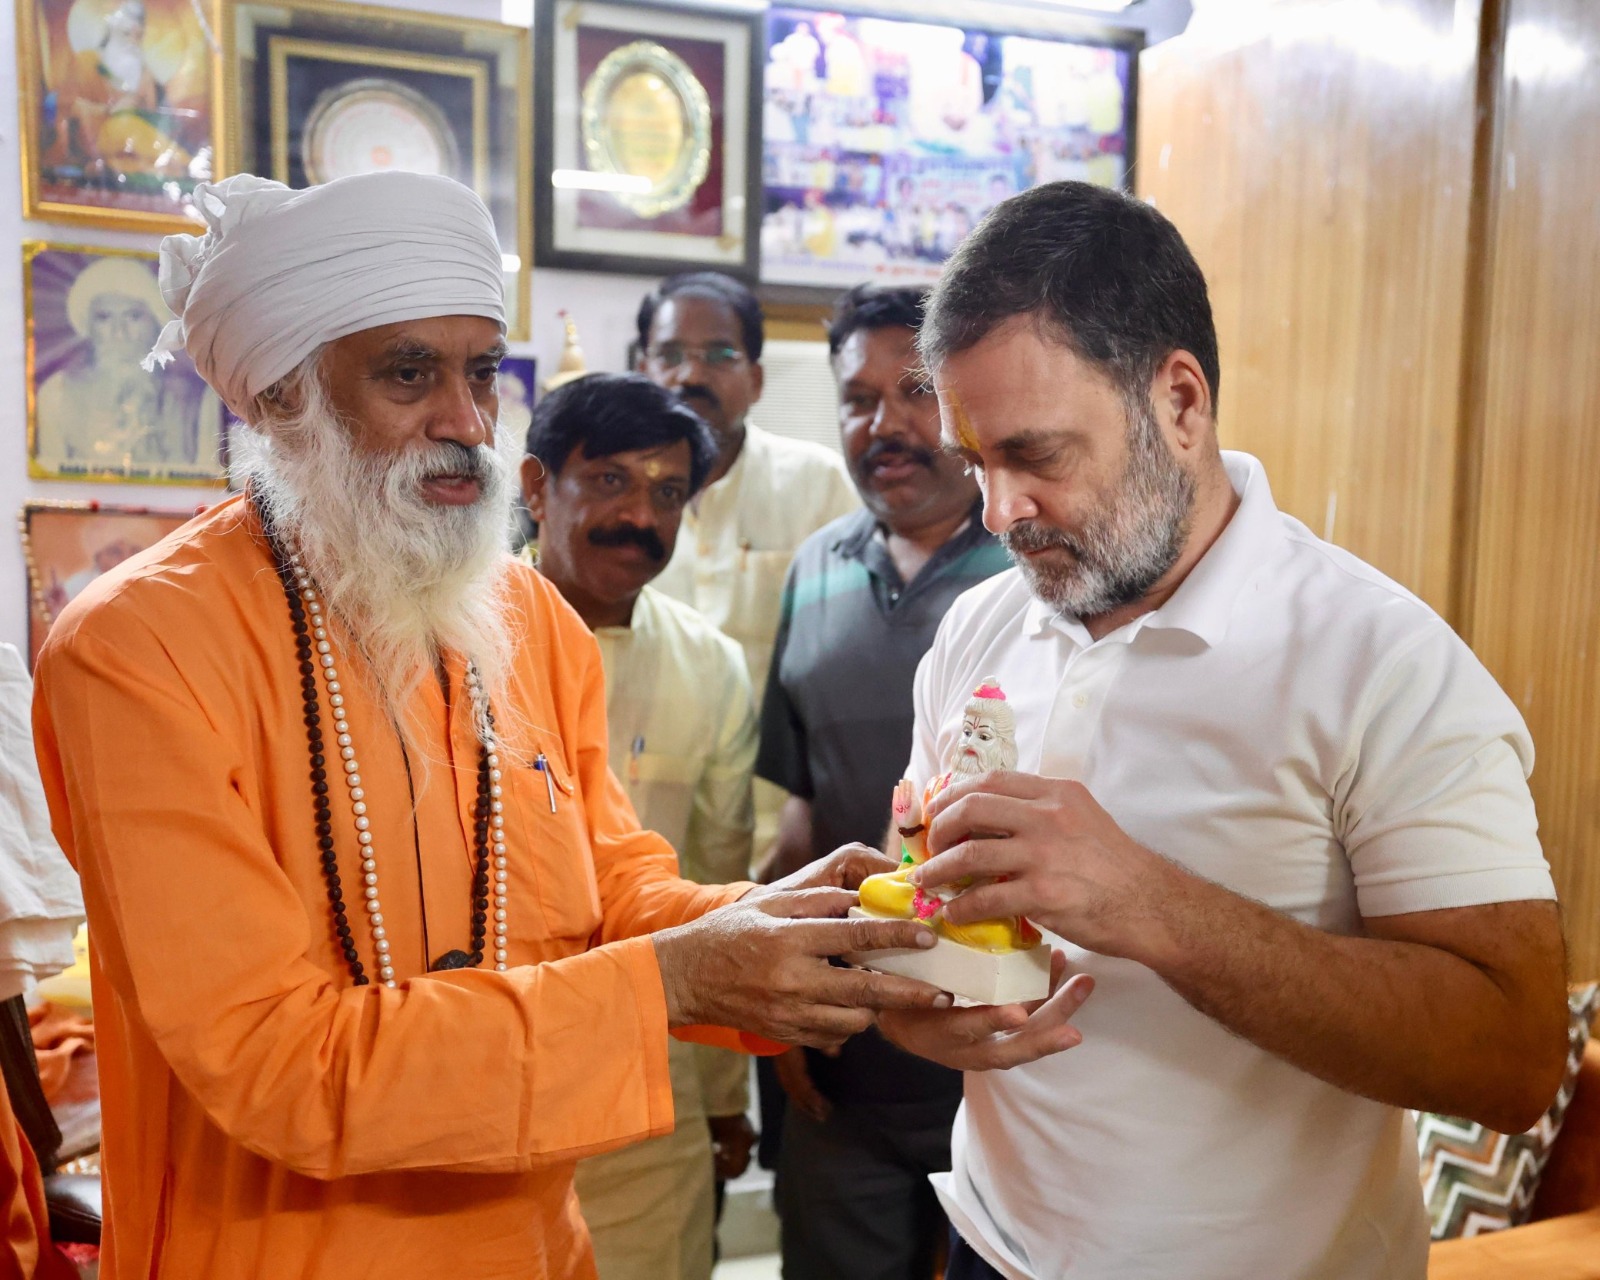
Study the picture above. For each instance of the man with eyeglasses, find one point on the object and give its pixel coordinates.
(612, 462)
(700, 336)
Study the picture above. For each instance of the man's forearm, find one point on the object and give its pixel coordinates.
(792, 848)
(1400, 1021)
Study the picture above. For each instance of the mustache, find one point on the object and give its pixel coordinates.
(452, 458)
(1026, 537)
(695, 390)
(878, 450)
(624, 534)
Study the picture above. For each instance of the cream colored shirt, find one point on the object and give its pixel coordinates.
(40, 904)
(683, 733)
(740, 534)
(683, 741)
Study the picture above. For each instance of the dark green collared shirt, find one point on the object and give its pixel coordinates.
(836, 722)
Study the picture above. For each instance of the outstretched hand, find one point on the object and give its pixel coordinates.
(761, 964)
(845, 868)
(996, 1036)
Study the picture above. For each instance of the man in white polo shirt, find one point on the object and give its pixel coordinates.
(1267, 801)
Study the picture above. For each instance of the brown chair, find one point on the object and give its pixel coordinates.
(73, 1199)
(1562, 1240)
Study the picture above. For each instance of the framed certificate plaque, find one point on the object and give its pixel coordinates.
(322, 91)
(648, 137)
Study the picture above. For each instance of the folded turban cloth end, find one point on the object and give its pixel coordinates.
(172, 340)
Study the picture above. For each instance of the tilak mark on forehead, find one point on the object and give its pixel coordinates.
(965, 436)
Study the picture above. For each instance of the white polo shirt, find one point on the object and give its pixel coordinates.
(1296, 727)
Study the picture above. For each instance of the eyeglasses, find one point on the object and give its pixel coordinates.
(669, 355)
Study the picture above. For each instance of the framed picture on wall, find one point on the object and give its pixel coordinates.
(94, 413)
(886, 140)
(649, 137)
(67, 545)
(321, 91)
(518, 384)
(118, 110)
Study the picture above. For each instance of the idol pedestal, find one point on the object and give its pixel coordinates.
(975, 977)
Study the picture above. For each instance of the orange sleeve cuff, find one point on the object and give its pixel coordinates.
(728, 1038)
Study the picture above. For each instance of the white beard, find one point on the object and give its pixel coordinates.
(409, 580)
(991, 757)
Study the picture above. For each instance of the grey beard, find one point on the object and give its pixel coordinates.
(1126, 545)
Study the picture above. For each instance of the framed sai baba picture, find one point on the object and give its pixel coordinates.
(94, 412)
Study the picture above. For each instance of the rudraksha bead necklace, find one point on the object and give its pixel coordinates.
(314, 650)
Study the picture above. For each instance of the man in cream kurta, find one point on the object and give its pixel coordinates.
(683, 742)
(612, 460)
(740, 535)
(700, 336)
(380, 949)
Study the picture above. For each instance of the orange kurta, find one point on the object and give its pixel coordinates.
(263, 1117)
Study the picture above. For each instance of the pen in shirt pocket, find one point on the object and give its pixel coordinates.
(634, 752)
(543, 766)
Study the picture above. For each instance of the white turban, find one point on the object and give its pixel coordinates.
(282, 272)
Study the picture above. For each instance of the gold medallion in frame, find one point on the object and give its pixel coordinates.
(619, 185)
(645, 115)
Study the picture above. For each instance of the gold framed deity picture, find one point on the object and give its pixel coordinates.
(67, 545)
(648, 137)
(118, 110)
(94, 411)
(323, 91)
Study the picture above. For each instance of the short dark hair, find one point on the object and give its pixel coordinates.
(871, 306)
(1100, 271)
(718, 288)
(610, 413)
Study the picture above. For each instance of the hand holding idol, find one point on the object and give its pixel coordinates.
(1045, 848)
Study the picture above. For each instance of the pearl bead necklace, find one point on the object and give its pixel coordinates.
(497, 819)
(322, 648)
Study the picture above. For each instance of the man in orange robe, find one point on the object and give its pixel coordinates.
(380, 950)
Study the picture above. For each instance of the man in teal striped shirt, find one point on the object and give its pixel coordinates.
(862, 601)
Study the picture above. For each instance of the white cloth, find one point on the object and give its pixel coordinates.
(279, 273)
(40, 904)
(1301, 730)
(740, 534)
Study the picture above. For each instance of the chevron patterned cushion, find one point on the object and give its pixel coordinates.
(1474, 1179)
